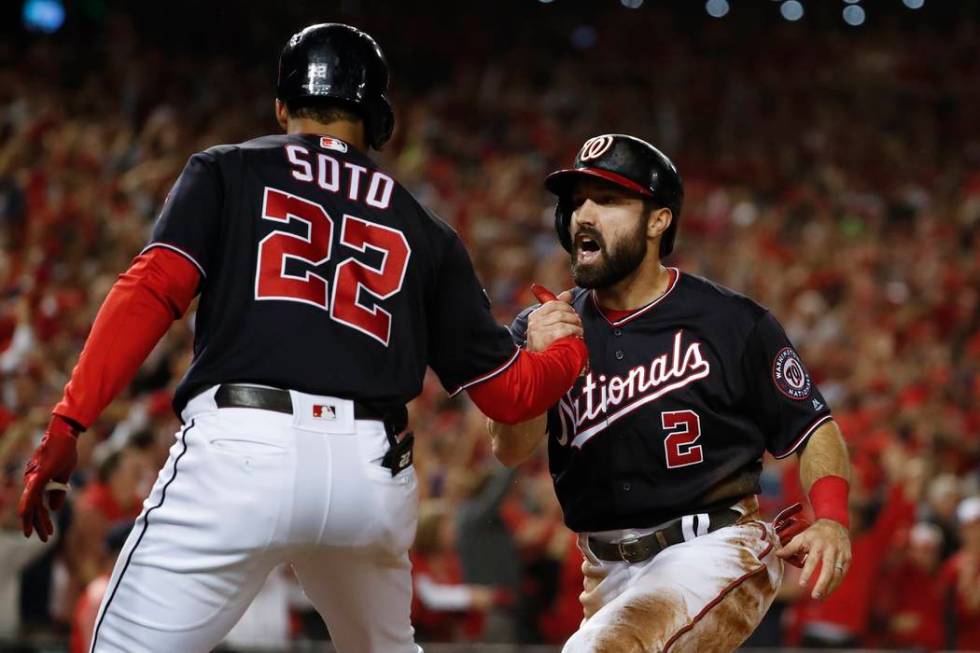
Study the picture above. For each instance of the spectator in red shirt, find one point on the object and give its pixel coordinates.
(843, 618)
(960, 579)
(565, 613)
(87, 606)
(443, 607)
(914, 597)
(114, 496)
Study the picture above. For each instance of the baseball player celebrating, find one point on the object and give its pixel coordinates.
(325, 291)
(656, 453)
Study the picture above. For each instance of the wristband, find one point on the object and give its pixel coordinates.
(828, 496)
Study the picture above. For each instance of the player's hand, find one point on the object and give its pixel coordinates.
(827, 545)
(46, 478)
(553, 320)
(789, 523)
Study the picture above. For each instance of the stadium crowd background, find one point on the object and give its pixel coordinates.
(832, 174)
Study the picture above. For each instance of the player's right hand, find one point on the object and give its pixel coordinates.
(46, 477)
(553, 320)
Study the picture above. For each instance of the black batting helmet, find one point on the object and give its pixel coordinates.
(625, 161)
(332, 60)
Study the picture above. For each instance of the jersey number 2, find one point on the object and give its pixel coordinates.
(351, 276)
(685, 430)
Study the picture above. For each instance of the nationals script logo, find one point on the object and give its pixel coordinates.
(601, 401)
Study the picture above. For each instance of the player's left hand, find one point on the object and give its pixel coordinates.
(826, 544)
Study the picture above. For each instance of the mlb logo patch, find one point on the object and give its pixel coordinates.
(324, 411)
(328, 143)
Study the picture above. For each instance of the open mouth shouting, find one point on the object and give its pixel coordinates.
(588, 248)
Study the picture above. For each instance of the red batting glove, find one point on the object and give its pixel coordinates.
(46, 477)
(788, 524)
(542, 294)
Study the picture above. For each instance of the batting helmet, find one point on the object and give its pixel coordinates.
(332, 60)
(627, 162)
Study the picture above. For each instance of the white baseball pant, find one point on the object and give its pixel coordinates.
(245, 490)
(706, 594)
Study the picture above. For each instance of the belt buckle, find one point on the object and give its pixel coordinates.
(629, 556)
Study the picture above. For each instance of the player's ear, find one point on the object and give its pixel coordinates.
(282, 115)
(660, 218)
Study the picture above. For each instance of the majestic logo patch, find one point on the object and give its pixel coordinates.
(595, 147)
(790, 376)
(328, 143)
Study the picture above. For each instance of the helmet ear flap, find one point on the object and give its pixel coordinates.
(563, 219)
(380, 122)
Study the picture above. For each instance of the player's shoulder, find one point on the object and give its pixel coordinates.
(579, 296)
(442, 235)
(712, 295)
(253, 145)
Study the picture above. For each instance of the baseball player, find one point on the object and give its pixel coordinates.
(656, 453)
(325, 291)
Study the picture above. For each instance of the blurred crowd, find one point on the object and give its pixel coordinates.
(837, 184)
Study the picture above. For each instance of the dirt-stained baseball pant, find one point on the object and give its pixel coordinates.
(705, 594)
(245, 490)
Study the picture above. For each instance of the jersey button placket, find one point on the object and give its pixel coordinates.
(617, 332)
(619, 354)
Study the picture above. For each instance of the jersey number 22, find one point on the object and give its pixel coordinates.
(339, 297)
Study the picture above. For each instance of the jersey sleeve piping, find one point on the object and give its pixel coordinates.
(190, 258)
(806, 435)
(488, 375)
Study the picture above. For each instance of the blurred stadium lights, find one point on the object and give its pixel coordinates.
(914, 4)
(631, 4)
(852, 2)
(43, 15)
(792, 10)
(716, 8)
(854, 15)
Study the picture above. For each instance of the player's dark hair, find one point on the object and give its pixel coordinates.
(323, 110)
(650, 204)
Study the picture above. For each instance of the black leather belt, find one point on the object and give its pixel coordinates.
(395, 419)
(231, 395)
(638, 549)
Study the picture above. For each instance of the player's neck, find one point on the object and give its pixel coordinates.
(645, 284)
(351, 133)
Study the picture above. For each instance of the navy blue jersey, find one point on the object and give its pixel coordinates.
(683, 397)
(322, 274)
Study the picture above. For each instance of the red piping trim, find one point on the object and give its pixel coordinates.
(643, 309)
(713, 603)
(200, 268)
(724, 592)
(806, 434)
(488, 375)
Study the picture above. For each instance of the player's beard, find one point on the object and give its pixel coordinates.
(615, 263)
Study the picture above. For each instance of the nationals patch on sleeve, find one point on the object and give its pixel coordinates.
(789, 374)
